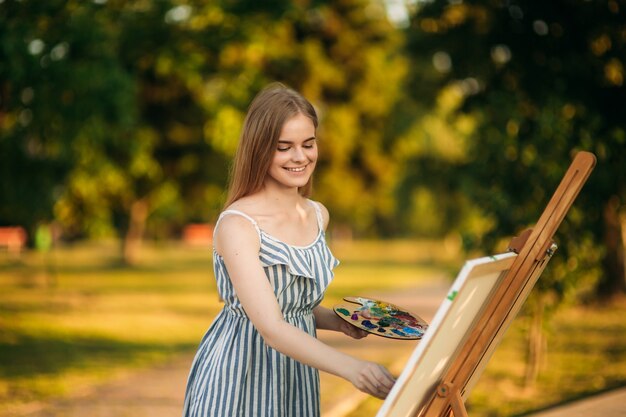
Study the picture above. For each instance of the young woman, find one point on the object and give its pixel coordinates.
(261, 357)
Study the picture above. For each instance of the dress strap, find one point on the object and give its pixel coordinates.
(238, 213)
(318, 213)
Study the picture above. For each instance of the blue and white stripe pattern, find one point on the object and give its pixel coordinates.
(234, 374)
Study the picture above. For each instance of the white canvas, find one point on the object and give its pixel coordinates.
(468, 296)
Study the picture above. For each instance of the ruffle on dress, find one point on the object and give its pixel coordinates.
(298, 260)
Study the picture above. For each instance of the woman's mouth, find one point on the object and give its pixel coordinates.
(296, 169)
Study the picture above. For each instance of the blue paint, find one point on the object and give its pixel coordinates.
(368, 324)
(411, 331)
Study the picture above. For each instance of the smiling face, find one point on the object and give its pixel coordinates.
(296, 154)
(276, 113)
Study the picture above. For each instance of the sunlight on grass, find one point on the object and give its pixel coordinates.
(586, 354)
(79, 317)
(361, 279)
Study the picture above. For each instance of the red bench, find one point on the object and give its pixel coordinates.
(198, 234)
(13, 238)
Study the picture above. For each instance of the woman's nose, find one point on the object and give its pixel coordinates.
(298, 154)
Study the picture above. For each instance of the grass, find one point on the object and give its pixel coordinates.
(78, 318)
(88, 319)
(586, 354)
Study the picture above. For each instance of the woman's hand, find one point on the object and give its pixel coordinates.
(350, 330)
(372, 379)
(326, 319)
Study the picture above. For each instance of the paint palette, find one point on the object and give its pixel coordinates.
(381, 318)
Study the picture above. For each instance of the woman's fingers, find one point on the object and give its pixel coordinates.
(372, 378)
(390, 379)
(381, 380)
(352, 331)
(381, 374)
(368, 385)
(357, 333)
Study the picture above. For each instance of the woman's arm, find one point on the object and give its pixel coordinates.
(238, 244)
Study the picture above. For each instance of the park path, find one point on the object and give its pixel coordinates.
(159, 391)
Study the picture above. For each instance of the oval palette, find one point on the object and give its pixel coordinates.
(381, 318)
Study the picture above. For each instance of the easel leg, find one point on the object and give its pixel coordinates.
(450, 392)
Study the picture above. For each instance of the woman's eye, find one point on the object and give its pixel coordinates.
(282, 149)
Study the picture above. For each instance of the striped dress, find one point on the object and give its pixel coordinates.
(234, 373)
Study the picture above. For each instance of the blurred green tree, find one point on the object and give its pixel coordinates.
(344, 56)
(538, 81)
(61, 90)
(120, 118)
(102, 120)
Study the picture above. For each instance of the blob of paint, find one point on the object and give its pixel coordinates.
(343, 311)
(368, 324)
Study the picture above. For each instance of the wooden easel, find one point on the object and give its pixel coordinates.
(534, 248)
(449, 360)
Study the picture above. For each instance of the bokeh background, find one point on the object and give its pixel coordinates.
(445, 128)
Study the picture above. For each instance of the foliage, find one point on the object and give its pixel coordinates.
(344, 57)
(61, 90)
(539, 81)
(120, 118)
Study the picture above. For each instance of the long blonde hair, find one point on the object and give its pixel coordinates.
(267, 114)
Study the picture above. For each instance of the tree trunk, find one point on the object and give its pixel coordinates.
(136, 228)
(613, 281)
(536, 343)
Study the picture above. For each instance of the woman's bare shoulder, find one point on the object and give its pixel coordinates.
(235, 231)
